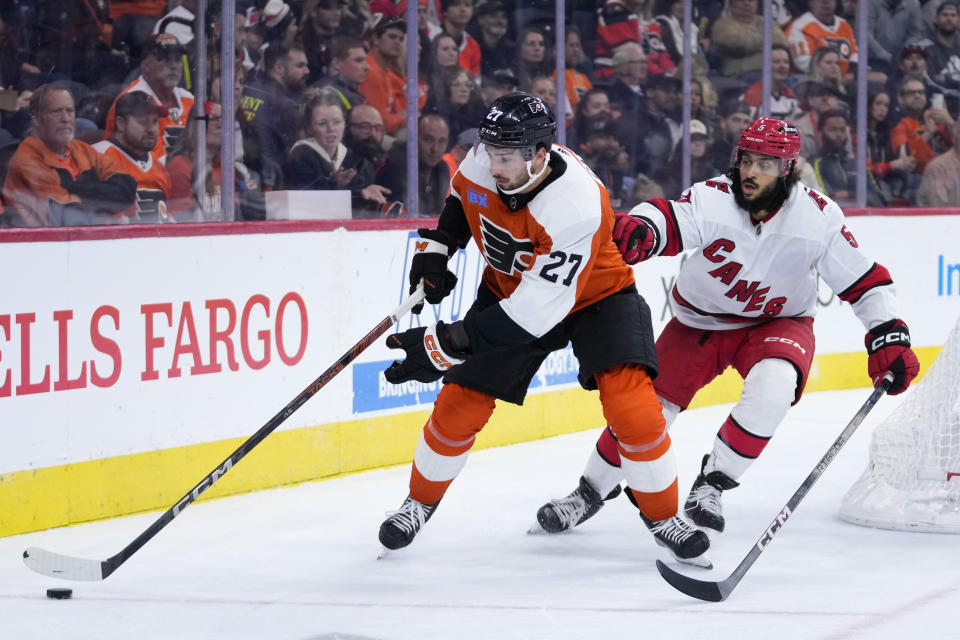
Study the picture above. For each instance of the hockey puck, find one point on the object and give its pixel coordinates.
(60, 594)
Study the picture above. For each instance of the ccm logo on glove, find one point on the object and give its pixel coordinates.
(888, 346)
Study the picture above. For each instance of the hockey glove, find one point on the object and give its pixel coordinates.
(429, 264)
(430, 352)
(634, 238)
(888, 346)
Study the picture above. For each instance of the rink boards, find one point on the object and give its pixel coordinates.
(133, 360)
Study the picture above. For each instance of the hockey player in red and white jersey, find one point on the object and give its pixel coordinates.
(544, 225)
(746, 298)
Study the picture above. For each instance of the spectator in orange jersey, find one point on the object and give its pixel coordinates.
(577, 82)
(162, 71)
(458, 151)
(456, 16)
(383, 87)
(924, 130)
(132, 146)
(54, 179)
(821, 27)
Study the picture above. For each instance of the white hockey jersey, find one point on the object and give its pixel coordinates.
(745, 272)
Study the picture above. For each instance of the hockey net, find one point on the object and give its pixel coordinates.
(912, 481)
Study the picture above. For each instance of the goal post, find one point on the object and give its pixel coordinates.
(912, 480)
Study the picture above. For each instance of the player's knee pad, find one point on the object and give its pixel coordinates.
(768, 391)
(459, 414)
(632, 410)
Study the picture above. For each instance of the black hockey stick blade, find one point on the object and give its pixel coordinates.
(56, 565)
(701, 589)
(717, 591)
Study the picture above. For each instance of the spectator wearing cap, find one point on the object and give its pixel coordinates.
(497, 51)
(459, 150)
(940, 186)
(943, 53)
(320, 160)
(738, 38)
(834, 165)
(668, 175)
(433, 173)
(54, 179)
(821, 27)
(924, 130)
(734, 118)
(321, 25)
(784, 103)
(821, 98)
(162, 70)
(664, 100)
(348, 70)
(132, 146)
(890, 25)
(456, 16)
(384, 86)
(913, 65)
(271, 111)
(606, 157)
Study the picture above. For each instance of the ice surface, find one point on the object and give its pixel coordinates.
(300, 563)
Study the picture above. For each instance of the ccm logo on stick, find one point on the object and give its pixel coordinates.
(785, 341)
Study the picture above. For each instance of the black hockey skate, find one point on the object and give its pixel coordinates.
(566, 513)
(703, 504)
(402, 525)
(687, 543)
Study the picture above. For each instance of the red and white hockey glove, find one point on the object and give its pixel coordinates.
(888, 345)
(430, 255)
(431, 352)
(634, 238)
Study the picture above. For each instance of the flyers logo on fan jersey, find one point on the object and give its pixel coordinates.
(504, 252)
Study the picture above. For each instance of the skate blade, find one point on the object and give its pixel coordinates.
(536, 530)
(384, 552)
(701, 561)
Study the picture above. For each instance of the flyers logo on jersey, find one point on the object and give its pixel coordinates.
(477, 198)
(502, 251)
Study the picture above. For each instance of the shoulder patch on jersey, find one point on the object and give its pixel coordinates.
(503, 251)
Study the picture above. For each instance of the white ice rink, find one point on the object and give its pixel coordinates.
(300, 563)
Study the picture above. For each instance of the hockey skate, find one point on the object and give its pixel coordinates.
(685, 542)
(703, 504)
(402, 525)
(565, 513)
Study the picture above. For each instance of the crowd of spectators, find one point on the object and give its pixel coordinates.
(98, 121)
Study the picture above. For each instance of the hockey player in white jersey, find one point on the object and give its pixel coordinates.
(745, 298)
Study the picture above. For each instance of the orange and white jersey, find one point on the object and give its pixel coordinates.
(172, 125)
(547, 255)
(807, 34)
(153, 181)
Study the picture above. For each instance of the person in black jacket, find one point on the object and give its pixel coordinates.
(320, 161)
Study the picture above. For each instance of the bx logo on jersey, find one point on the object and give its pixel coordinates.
(477, 198)
(785, 341)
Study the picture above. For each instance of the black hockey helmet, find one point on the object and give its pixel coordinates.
(519, 121)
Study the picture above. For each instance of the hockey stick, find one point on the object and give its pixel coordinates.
(57, 565)
(717, 591)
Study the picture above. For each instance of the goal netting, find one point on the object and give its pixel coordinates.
(912, 481)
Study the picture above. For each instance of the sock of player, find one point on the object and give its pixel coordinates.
(458, 415)
(603, 470)
(768, 391)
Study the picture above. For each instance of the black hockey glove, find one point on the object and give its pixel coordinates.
(430, 352)
(429, 264)
(888, 346)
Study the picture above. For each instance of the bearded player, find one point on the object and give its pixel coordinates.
(745, 298)
(544, 225)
